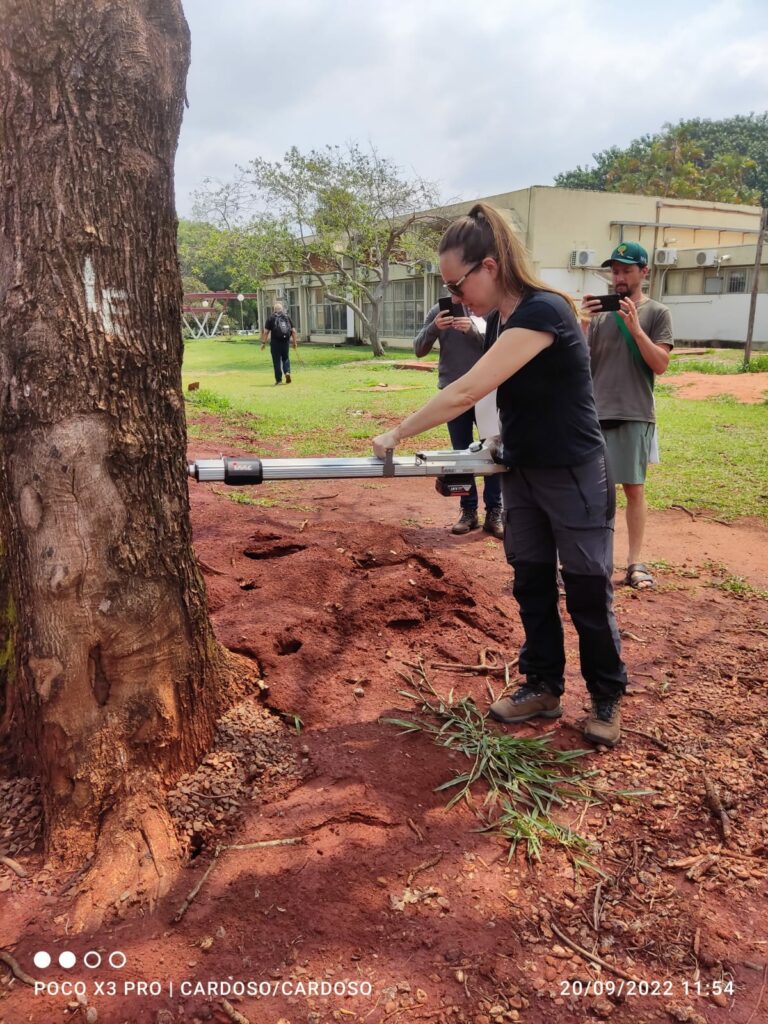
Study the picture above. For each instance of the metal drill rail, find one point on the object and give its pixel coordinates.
(474, 461)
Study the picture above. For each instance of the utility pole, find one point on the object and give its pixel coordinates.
(755, 283)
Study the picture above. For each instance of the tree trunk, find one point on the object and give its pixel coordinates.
(111, 666)
(374, 322)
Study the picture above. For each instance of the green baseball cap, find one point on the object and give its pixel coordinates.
(628, 252)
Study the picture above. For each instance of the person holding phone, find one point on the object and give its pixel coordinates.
(559, 498)
(629, 341)
(461, 345)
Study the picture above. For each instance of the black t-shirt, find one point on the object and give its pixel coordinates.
(547, 409)
(280, 326)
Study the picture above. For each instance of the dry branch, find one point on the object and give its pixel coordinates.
(716, 807)
(424, 866)
(266, 842)
(590, 956)
(682, 508)
(759, 997)
(415, 828)
(219, 849)
(188, 901)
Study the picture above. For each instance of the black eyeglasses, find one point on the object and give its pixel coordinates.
(455, 289)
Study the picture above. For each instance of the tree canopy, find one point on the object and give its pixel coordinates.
(340, 215)
(722, 161)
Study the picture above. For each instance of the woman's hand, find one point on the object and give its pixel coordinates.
(384, 442)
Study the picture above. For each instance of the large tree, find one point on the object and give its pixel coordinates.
(725, 161)
(343, 216)
(111, 670)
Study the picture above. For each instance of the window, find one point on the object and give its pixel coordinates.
(292, 307)
(713, 285)
(737, 280)
(327, 317)
(693, 282)
(402, 311)
(673, 283)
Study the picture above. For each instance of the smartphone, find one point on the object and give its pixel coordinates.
(609, 303)
(445, 303)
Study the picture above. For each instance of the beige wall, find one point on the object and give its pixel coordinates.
(565, 219)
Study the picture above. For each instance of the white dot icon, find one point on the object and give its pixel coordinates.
(67, 960)
(42, 959)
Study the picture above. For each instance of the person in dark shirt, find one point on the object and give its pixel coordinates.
(281, 332)
(461, 345)
(559, 498)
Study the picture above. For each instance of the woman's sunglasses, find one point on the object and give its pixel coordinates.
(455, 289)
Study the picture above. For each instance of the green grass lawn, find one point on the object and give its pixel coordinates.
(714, 452)
(333, 405)
(714, 455)
(716, 360)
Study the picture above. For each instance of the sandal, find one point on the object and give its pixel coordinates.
(638, 577)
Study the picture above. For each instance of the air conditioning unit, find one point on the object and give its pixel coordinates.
(306, 280)
(665, 257)
(410, 269)
(582, 258)
(430, 268)
(706, 258)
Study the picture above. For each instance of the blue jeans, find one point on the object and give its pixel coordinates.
(461, 431)
(280, 358)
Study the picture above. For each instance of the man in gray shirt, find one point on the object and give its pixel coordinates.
(461, 345)
(627, 350)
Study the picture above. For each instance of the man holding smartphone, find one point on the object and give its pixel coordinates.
(461, 345)
(630, 338)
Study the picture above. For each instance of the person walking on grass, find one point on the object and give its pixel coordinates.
(627, 350)
(559, 498)
(281, 333)
(461, 345)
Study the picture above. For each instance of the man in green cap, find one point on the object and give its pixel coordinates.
(628, 349)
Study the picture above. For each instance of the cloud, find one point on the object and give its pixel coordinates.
(482, 96)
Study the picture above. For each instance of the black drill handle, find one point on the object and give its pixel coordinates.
(243, 471)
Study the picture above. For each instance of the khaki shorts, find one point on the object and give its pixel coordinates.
(631, 447)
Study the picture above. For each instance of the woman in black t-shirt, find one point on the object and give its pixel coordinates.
(558, 495)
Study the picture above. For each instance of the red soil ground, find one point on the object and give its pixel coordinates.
(329, 593)
(745, 387)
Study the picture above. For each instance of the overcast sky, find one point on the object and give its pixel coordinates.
(481, 96)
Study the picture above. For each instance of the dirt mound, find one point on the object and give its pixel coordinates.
(350, 868)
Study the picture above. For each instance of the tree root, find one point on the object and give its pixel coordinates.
(233, 1014)
(136, 861)
(14, 968)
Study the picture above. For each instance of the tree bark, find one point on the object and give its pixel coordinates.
(111, 669)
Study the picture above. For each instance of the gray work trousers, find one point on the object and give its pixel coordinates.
(566, 513)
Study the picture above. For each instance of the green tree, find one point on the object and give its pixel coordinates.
(725, 161)
(343, 216)
(204, 256)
